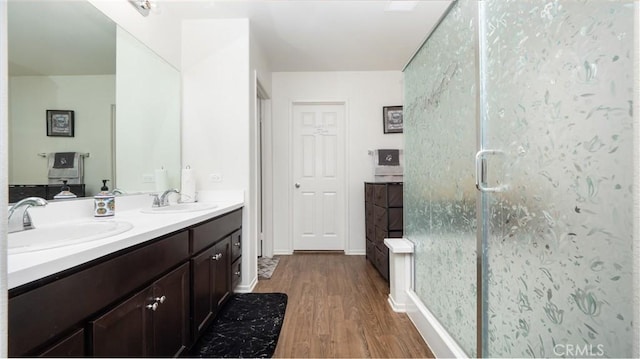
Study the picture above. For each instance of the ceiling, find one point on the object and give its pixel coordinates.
(295, 35)
(324, 35)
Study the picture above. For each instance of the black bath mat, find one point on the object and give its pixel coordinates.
(248, 326)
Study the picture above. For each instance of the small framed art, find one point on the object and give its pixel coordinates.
(60, 123)
(392, 119)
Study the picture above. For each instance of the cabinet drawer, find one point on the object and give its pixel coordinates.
(381, 234)
(236, 273)
(371, 231)
(368, 211)
(216, 229)
(382, 261)
(380, 195)
(370, 250)
(75, 297)
(395, 219)
(369, 194)
(236, 245)
(394, 195)
(380, 216)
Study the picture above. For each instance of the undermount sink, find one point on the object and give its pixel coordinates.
(180, 208)
(47, 237)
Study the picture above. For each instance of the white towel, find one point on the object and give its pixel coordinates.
(188, 186)
(162, 180)
(74, 175)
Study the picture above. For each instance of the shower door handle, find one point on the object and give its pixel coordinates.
(481, 171)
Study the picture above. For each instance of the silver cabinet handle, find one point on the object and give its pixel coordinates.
(161, 299)
(153, 306)
(238, 273)
(297, 185)
(217, 256)
(481, 174)
(237, 244)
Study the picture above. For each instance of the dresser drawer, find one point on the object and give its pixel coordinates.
(236, 273)
(214, 230)
(236, 245)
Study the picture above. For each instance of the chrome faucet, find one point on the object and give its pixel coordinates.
(19, 219)
(118, 192)
(163, 199)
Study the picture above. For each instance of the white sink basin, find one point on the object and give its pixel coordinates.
(180, 208)
(48, 237)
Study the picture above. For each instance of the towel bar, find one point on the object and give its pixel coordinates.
(42, 154)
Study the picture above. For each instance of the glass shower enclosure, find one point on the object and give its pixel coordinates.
(519, 177)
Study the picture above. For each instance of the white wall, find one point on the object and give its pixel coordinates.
(365, 93)
(159, 30)
(215, 102)
(90, 97)
(216, 116)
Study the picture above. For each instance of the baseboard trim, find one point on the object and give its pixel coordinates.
(282, 252)
(397, 307)
(357, 252)
(434, 334)
(241, 288)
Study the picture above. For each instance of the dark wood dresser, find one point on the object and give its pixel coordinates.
(383, 219)
(46, 191)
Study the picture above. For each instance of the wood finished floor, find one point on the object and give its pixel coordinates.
(338, 307)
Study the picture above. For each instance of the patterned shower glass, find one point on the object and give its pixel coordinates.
(439, 187)
(557, 89)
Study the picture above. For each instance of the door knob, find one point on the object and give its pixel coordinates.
(297, 185)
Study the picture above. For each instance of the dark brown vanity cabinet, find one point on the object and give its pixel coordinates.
(152, 323)
(142, 301)
(212, 267)
(383, 219)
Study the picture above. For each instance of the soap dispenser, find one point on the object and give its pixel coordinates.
(104, 202)
(65, 192)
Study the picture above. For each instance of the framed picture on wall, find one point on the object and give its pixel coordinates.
(60, 123)
(392, 119)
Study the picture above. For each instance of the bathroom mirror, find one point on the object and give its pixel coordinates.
(67, 55)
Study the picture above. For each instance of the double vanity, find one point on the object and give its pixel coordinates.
(144, 283)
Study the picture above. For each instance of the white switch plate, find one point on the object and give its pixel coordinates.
(148, 178)
(215, 178)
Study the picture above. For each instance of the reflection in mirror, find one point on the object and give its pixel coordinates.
(62, 56)
(148, 126)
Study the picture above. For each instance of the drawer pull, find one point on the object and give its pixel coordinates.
(153, 306)
(161, 299)
(238, 273)
(217, 256)
(237, 244)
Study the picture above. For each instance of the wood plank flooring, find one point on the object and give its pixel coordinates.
(338, 307)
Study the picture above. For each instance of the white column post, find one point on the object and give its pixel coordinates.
(400, 256)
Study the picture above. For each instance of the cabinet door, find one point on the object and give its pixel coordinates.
(202, 269)
(125, 330)
(171, 319)
(222, 280)
(69, 347)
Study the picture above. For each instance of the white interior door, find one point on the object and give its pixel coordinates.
(318, 176)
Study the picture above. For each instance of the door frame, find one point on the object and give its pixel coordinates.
(264, 171)
(345, 169)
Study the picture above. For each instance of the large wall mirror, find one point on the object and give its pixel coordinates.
(67, 55)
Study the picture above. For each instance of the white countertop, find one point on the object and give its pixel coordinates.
(26, 267)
